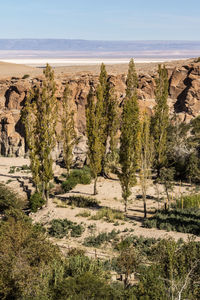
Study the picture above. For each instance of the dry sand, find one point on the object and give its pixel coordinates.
(8, 70)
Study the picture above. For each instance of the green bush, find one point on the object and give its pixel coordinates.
(108, 214)
(12, 170)
(9, 199)
(26, 76)
(69, 184)
(187, 221)
(62, 228)
(189, 201)
(76, 176)
(84, 214)
(36, 201)
(80, 201)
(96, 241)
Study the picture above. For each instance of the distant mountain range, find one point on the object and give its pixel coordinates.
(97, 46)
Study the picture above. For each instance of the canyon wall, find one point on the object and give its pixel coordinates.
(184, 99)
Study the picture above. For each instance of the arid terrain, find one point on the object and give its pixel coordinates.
(14, 90)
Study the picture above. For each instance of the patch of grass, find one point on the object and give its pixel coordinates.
(80, 201)
(12, 170)
(189, 201)
(97, 241)
(84, 214)
(63, 228)
(108, 214)
(9, 181)
(26, 76)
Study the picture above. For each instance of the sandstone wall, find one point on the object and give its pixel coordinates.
(184, 98)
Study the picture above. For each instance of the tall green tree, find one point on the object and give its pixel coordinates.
(146, 157)
(93, 131)
(68, 133)
(160, 121)
(29, 121)
(107, 105)
(130, 136)
(41, 135)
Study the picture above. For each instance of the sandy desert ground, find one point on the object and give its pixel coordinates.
(109, 196)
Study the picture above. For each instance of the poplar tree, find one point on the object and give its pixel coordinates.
(28, 118)
(40, 124)
(146, 157)
(68, 133)
(107, 103)
(46, 119)
(130, 136)
(160, 121)
(93, 113)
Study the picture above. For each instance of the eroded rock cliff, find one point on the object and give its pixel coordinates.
(184, 99)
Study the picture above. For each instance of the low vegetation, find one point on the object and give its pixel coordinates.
(97, 241)
(77, 176)
(36, 202)
(189, 201)
(109, 215)
(187, 221)
(64, 228)
(80, 201)
(9, 199)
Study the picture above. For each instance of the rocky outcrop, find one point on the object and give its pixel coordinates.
(184, 99)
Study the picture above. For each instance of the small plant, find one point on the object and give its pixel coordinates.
(26, 76)
(9, 199)
(9, 181)
(12, 170)
(189, 201)
(108, 214)
(80, 201)
(84, 214)
(77, 176)
(96, 241)
(62, 228)
(36, 201)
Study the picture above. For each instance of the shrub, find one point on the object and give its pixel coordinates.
(189, 201)
(80, 201)
(26, 76)
(84, 214)
(69, 184)
(77, 176)
(12, 170)
(36, 201)
(108, 214)
(187, 221)
(61, 228)
(101, 238)
(9, 199)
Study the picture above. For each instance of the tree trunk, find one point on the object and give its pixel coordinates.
(95, 186)
(125, 205)
(168, 199)
(47, 196)
(145, 208)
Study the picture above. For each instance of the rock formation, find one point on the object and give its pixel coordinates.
(184, 99)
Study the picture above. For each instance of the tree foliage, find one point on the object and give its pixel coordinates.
(160, 121)
(68, 133)
(130, 135)
(94, 134)
(40, 118)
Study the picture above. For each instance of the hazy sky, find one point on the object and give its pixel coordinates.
(101, 19)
